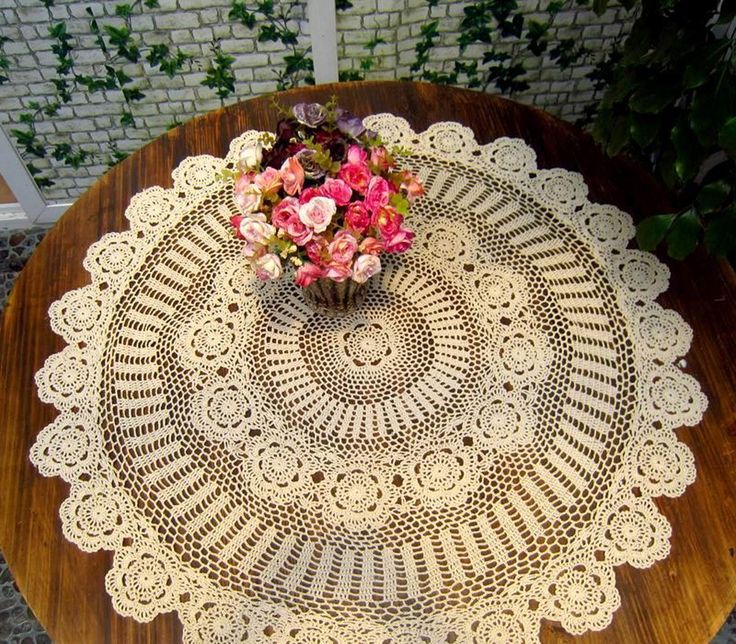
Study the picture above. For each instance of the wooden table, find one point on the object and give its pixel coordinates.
(684, 599)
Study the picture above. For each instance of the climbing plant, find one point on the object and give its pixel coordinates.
(499, 26)
(119, 45)
(276, 24)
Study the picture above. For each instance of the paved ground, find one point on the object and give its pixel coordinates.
(17, 623)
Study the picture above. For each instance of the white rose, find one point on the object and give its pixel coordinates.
(249, 200)
(268, 267)
(250, 158)
(317, 213)
(365, 267)
(255, 231)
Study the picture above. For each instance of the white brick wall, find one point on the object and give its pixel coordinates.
(561, 92)
(93, 120)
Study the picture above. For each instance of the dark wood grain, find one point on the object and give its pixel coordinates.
(683, 600)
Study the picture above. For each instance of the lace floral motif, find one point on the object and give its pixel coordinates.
(472, 451)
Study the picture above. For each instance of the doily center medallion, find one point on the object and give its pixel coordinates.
(490, 427)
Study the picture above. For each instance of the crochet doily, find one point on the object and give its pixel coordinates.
(471, 452)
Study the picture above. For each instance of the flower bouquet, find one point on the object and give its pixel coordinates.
(324, 198)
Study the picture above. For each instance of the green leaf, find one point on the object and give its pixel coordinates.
(713, 104)
(720, 236)
(652, 230)
(689, 152)
(642, 38)
(123, 10)
(684, 235)
(704, 64)
(712, 196)
(599, 6)
(727, 135)
(654, 96)
(619, 136)
(643, 128)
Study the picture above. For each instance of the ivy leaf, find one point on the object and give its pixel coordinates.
(239, 12)
(684, 235)
(265, 7)
(727, 136)
(652, 230)
(151, 4)
(123, 10)
(133, 94)
(720, 236)
(643, 128)
(712, 196)
(599, 6)
(689, 152)
(126, 118)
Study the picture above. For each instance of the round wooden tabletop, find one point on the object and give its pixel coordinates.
(683, 599)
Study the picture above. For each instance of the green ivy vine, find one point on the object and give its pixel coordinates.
(496, 25)
(275, 24)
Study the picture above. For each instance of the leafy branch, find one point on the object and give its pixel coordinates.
(220, 76)
(274, 26)
(670, 100)
(367, 63)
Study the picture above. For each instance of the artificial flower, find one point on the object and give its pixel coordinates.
(365, 267)
(317, 213)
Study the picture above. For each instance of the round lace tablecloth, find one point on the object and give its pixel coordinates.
(473, 451)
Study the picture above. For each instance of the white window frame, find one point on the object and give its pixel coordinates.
(31, 208)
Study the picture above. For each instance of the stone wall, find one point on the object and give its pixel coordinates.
(92, 121)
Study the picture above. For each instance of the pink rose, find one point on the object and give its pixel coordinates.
(255, 231)
(387, 220)
(356, 175)
(377, 194)
(308, 194)
(365, 267)
(307, 273)
(317, 213)
(338, 272)
(315, 248)
(269, 181)
(299, 233)
(400, 242)
(337, 190)
(252, 251)
(357, 154)
(235, 223)
(292, 174)
(371, 245)
(247, 195)
(411, 185)
(381, 159)
(283, 211)
(357, 217)
(268, 267)
(342, 247)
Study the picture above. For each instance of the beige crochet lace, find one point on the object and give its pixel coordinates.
(471, 452)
